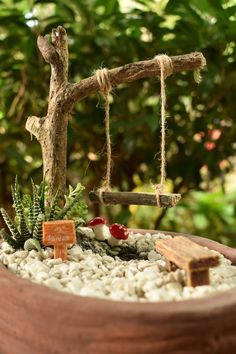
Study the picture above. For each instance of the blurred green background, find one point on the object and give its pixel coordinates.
(201, 131)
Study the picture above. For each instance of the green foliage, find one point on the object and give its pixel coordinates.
(26, 230)
(75, 208)
(11, 226)
(54, 204)
(37, 231)
(32, 244)
(9, 239)
(206, 214)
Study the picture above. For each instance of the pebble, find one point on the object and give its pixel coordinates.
(75, 285)
(21, 254)
(99, 275)
(53, 283)
(36, 266)
(87, 231)
(13, 267)
(40, 276)
(76, 251)
(153, 256)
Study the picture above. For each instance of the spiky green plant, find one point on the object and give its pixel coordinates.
(32, 210)
(32, 244)
(9, 239)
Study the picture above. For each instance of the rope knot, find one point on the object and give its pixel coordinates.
(165, 63)
(159, 189)
(103, 80)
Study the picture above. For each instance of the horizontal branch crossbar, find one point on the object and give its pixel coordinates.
(134, 71)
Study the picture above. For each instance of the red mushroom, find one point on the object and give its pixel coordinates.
(99, 227)
(118, 232)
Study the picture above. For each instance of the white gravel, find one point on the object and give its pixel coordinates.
(100, 275)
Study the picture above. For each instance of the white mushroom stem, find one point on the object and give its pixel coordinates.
(113, 241)
(101, 232)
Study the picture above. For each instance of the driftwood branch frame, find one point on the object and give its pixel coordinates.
(51, 130)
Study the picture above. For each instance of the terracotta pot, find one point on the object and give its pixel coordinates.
(37, 320)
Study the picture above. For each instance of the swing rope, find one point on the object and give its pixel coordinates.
(105, 87)
(166, 68)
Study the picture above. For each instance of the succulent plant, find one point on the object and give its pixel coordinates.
(25, 231)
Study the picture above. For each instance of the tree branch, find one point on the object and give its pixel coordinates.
(47, 50)
(133, 71)
(34, 125)
(56, 54)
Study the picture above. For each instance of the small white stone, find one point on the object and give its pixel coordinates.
(117, 295)
(72, 258)
(108, 259)
(24, 275)
(75, 285)
(66, 280)
(76, 251)
(176, 287)
(36, 267)
(40, 276)
(6, 247)
(35, 254)
(150, 273)
(47, 253)
(13, 267)
(156, 295)
(148, 286)
(88, 291)
(21, 254)
(53, 283)
(21, 262)
(153, 256)
(87, 231)
(63, 268)
(11, 258)
(3, 258)
(53, 262)
(55, 273)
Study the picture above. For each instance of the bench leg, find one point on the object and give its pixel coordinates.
(170, 266)
(198, 277)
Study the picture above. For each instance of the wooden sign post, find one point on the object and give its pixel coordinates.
(59, 234)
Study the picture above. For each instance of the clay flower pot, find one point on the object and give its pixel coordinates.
(36, 320)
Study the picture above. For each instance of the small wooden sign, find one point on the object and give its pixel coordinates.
(59, 234)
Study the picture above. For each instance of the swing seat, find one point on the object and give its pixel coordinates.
(166, 200)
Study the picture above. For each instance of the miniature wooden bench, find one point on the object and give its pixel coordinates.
(188, 255)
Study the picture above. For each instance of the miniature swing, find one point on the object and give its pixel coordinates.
(160, 198)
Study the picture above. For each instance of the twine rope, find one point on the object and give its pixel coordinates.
(166, 69)
(105, 88)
